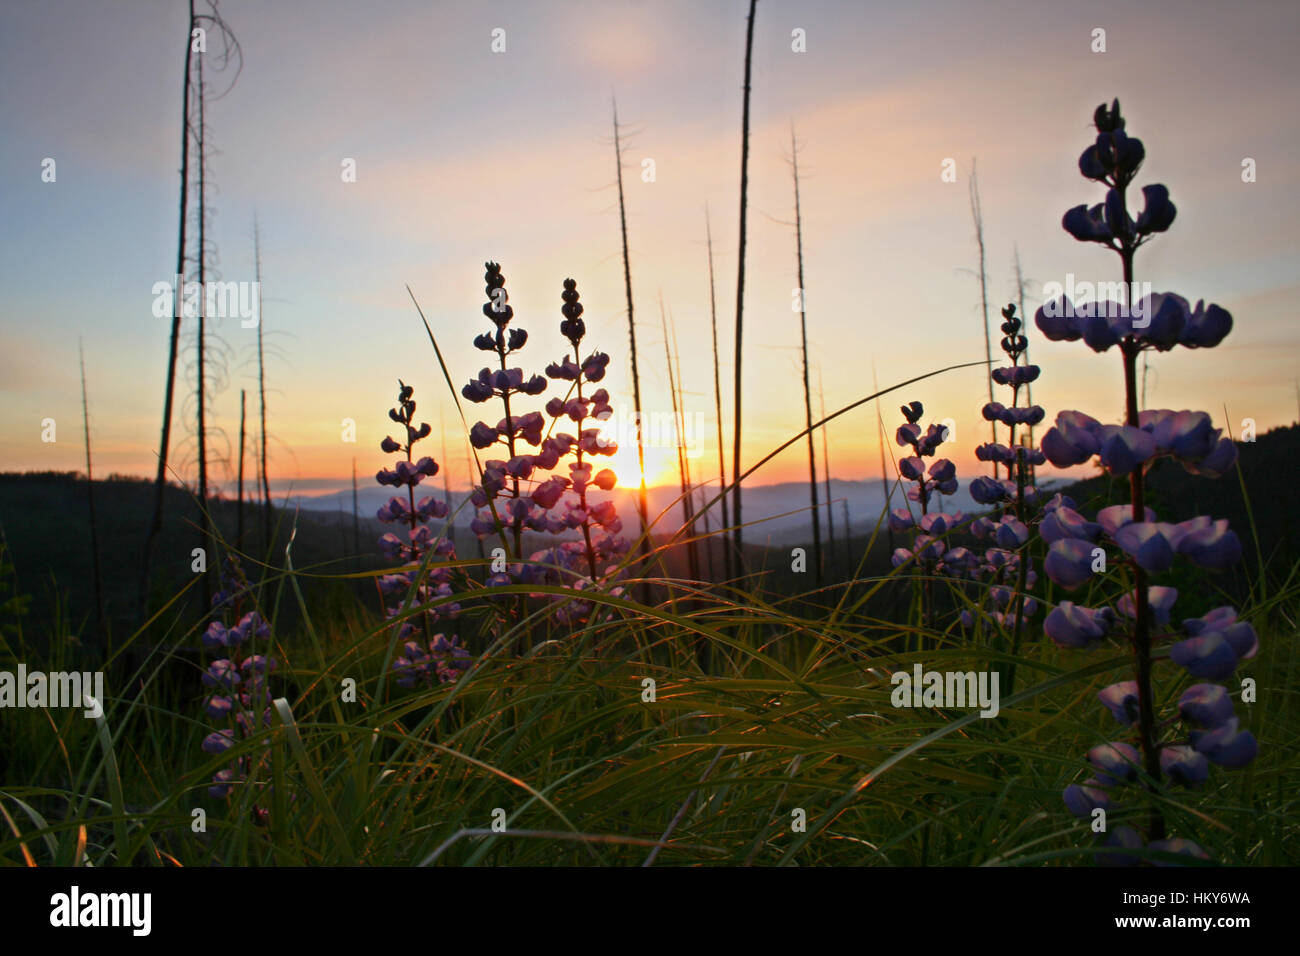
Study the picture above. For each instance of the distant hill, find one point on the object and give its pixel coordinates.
(44, 519)
(768, 504)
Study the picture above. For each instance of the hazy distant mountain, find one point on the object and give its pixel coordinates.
(865, 500)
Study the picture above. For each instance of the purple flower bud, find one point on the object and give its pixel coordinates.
(221, 673)
(477, 391)
(566, 369)
(389, 445)
(1123, 448)
(1217, 462)
(407, 473)
(1115, 762)
(215, 636)
(1165, 316)
(937, 523)
(1087, 225)
(530, 427)
(1073, 439)
(986, 491)
(1074, 626)
(912, 412)
(483, 435)
(1184, 766)
(1069, 562)
(1082, 799)
(593, 366)
(900, 519)
(1205, 705)
(1114, 517)
(991, 451)
(1209, 544)
(1010, 533)
(1013, 375)
(1057, 320)
(1186, 434)
(1209, 656)
(908, 434)
(520, 466)
(911, 468)
(1152, 544)
(219, 741)
(253, 625)
(943, 470)
(429, 507)
(1216, 620)
(1160, 602)
(1105, 326)
(1121, 700)
(1226, 745)
(1206, 327)
(1065, 522)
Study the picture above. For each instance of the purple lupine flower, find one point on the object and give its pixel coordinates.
(1121, 700)
(1209, 656)
(1209, 544)
(221, 673)
(218, 741)
(1205, 705)
(1064, 522)
(1158, 212)
(1069, 562)
(1122, 448)
(215, 636)
(1160, 604)
(1206, 326)
(1115, 762)
(1226, 745)
(1072, 625)
(1152, 544)
(1072, 440)
(1114, 517)
(221, 784)
(1082, 799)
(420, 538)
(1010, 533)
(986, 490)
(1216, 642)
(1184, 766)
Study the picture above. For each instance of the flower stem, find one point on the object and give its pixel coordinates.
(1129, 349)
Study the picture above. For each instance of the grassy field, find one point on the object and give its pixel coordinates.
(784, 749)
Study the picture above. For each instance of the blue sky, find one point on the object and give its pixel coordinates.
(465, 155)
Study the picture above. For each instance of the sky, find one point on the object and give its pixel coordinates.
(463, 154)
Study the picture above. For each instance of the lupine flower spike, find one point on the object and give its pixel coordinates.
(1213, 645)
(437, 656)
